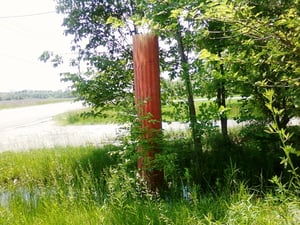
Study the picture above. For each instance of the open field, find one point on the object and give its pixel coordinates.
(30, 102)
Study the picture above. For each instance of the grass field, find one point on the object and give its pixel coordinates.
(85, 185)
(30, 102)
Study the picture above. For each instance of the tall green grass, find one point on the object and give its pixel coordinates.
(88, 185)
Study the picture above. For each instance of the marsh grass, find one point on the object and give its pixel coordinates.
(88, 185)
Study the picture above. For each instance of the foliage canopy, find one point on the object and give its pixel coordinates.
(209, 48)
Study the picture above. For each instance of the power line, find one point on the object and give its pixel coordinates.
(27, 15)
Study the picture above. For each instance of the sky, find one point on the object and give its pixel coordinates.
(27, 29)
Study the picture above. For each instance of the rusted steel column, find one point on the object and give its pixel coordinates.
(148, 105)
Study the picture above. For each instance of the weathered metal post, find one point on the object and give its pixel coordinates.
(148, 105)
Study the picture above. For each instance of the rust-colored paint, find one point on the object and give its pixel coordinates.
(148, 105)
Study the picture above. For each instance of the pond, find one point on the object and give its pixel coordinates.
(20, 194)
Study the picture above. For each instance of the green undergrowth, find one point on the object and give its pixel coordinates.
(89, 185)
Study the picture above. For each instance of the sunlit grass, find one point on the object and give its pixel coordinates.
(19, 167)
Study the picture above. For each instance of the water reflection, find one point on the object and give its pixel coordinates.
(20, 194)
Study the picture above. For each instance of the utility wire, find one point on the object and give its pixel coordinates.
(27, 15)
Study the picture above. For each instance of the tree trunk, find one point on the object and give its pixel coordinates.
(283, 119)
(221, 101)
(190, 97)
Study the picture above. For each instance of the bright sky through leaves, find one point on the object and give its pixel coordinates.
(27, 29)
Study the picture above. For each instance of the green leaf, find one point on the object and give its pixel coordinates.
(175, 13)
(115, 22)
(205, 54)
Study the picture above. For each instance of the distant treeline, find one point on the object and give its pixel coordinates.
(29, 94)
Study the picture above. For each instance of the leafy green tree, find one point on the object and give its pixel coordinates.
(243, 46)
(102, 33)
(214, 46)
(106, 28)
(267, 53)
